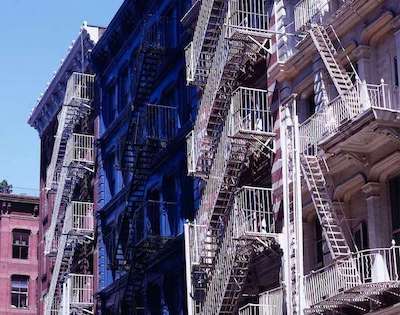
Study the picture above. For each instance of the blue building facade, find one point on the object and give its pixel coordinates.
(143, 193)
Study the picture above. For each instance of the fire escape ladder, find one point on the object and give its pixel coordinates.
(76, 227)
(327, 216)
(137, 155)
(328, 54)
(147, 67)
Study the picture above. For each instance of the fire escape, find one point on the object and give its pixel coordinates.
(140, 233)
(71, 224)
(351, 282)
(233, 224)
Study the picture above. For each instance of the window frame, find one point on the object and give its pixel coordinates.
(17, 244)
(20, 292)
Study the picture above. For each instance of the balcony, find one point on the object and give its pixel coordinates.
(80, 89)
(156, 221)
(199, 74)
(270, 303)
(78, 294)
(80, 149)
(161, 122)
(253, 206)
(250, 115)
(365, 275)
(247, 17)
(79, 218)
(345, 109)
(314, 11)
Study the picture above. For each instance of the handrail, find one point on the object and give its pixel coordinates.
(346, 107)
(379, 265)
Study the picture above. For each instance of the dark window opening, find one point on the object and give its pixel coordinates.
(20, 246)
(395, 207)
(19, 291)
(396, 72)
(319, 244)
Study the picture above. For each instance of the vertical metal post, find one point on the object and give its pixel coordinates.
(298, 207)
(286, 241)
(190, 305)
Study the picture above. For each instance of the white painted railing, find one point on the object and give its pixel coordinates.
(223, 268)
(191, 153)
(80, 88)
(250, 113)
(257, 309)
(249, 16)
(253, 206)
(273, 297)
(269, 303)
(80, 148)
(370, 266)
(194, 230)
(152, 220)
(189, 63)
(202, 26)
(161, 122)
(209, 96)
(81, 288)
(79, 217)
(344, 108)
(314, 11)
(213, 185)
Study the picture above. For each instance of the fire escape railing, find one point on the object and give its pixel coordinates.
(369, 267)
(79, 157)
(77, 104)
(77, 226)
(344, 108)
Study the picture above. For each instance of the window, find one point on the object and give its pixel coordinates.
(110, 103)
(319, 243)
(20, 245)
(123, 89)
(19, 291)
(396, 72)
(361, 236)
(395, 207)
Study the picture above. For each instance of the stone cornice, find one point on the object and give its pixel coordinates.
(343, 21)
(51, 101)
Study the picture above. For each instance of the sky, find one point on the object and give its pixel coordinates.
(35, 36)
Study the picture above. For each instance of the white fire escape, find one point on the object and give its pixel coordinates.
(71, 222)
(354, 278)
(233, 223)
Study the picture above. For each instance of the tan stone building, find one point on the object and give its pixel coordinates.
(325, 239)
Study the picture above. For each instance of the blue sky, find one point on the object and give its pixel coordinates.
(35, 35)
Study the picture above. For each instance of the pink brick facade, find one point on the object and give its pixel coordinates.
(18, 213)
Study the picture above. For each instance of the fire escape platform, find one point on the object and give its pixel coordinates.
(361, 133)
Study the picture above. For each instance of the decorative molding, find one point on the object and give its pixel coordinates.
(347, 189)
(385, 168)
(372, 189)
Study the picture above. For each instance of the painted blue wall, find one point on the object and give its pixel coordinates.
(114, 77)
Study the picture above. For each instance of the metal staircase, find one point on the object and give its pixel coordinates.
(327, 216)
(328, 54)
(77, 229)
(237, 45)
(250, 229)
(78, 97)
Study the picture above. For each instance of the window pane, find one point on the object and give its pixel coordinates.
(19, 291)
(20, 244)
